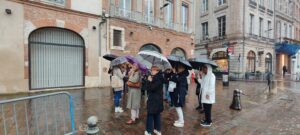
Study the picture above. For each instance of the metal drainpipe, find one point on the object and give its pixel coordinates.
(243, 59)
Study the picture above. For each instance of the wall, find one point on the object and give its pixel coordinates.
(12, 48)
(92, 6)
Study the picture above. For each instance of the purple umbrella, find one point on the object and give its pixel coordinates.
(133, 60)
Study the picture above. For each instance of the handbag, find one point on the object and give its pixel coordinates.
(134, 85)
(116, 82)
(172, 86)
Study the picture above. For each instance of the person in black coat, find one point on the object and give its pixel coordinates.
(179, 94)
(155, 101)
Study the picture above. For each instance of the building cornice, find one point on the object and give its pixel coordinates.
(56, 8)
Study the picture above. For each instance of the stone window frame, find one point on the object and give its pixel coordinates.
(122, 47)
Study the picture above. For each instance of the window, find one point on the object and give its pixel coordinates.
(204, 30)
(117, 38)
(178, 52)
(222, 26)
(270, 4)
(269, 28)
(285, 30)
(125, 8)
(290, 31)
(169, 14)
(260, 27)
(278, 30)
(221, 2)
(184, 16)
(150, 47)
(149, 11)
(251, 23)
(261, 2)
(62, 2)
(204, 6)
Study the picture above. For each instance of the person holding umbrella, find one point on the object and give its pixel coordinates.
(117, 83)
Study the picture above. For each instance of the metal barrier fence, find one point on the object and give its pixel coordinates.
(46, 114)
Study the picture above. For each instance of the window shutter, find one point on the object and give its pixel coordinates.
(117, 38)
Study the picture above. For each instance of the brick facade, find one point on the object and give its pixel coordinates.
(137, 35)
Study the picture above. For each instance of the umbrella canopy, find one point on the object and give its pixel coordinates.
(198, 62)
(150, 58)
(110, 57)
(176, 60)
(118, 61)
(134, 60)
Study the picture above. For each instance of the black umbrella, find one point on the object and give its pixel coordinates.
(110, 57)
(199, 62)
(175, 60)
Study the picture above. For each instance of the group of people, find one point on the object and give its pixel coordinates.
(170, 84)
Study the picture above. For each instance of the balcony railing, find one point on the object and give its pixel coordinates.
(252, 4)
(141, 17)
(262, 8)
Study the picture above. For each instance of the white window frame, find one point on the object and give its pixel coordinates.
(261, 27)
(112, 28)
(221, 27)
(204, 30)
(251, 24)
(204, 6)
(170, 12)
(221, 2)
(184, 16)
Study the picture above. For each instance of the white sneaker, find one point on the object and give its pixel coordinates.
(146, 133)
(116, 109)
(176, 121)
(156, 132)
(120, 110)
(179, 124)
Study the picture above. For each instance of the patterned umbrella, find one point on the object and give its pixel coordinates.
(118, 61)
(134, 60)
(150, 58)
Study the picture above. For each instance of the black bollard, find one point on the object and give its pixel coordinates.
(236, 101)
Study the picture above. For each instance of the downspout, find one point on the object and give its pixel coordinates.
(243, 57)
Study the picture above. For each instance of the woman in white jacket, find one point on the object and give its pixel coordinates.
(208, 94)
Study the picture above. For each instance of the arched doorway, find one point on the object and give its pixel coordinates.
(150, 47)
(221, 60)
(268, 62)
(251, 61)
(56, 58)
(178, 52)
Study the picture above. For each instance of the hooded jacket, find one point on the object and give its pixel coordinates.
(208, 86)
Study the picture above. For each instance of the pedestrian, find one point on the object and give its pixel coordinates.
(269, 77)
(172, 77)
(179, 93)
(284, 70)
(155, 101)
(197, 79)
(208, 94)
(167, 74)
(118, 75)
(134, 93)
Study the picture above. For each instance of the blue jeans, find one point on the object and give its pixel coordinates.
(117, 97)
(153, 119)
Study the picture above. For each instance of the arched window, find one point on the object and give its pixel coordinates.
(268, 62)
(251, 61)
(150, 47)
(178, 52)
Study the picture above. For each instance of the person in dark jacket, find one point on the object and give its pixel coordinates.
(179, 94)
(197, 80)
(172, 77)
(155, 101)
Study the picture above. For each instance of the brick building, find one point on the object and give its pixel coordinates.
(48, 44)
(165, 26)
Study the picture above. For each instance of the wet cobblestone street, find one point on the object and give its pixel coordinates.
(262, 114)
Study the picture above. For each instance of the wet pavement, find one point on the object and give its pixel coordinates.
(262, 113)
